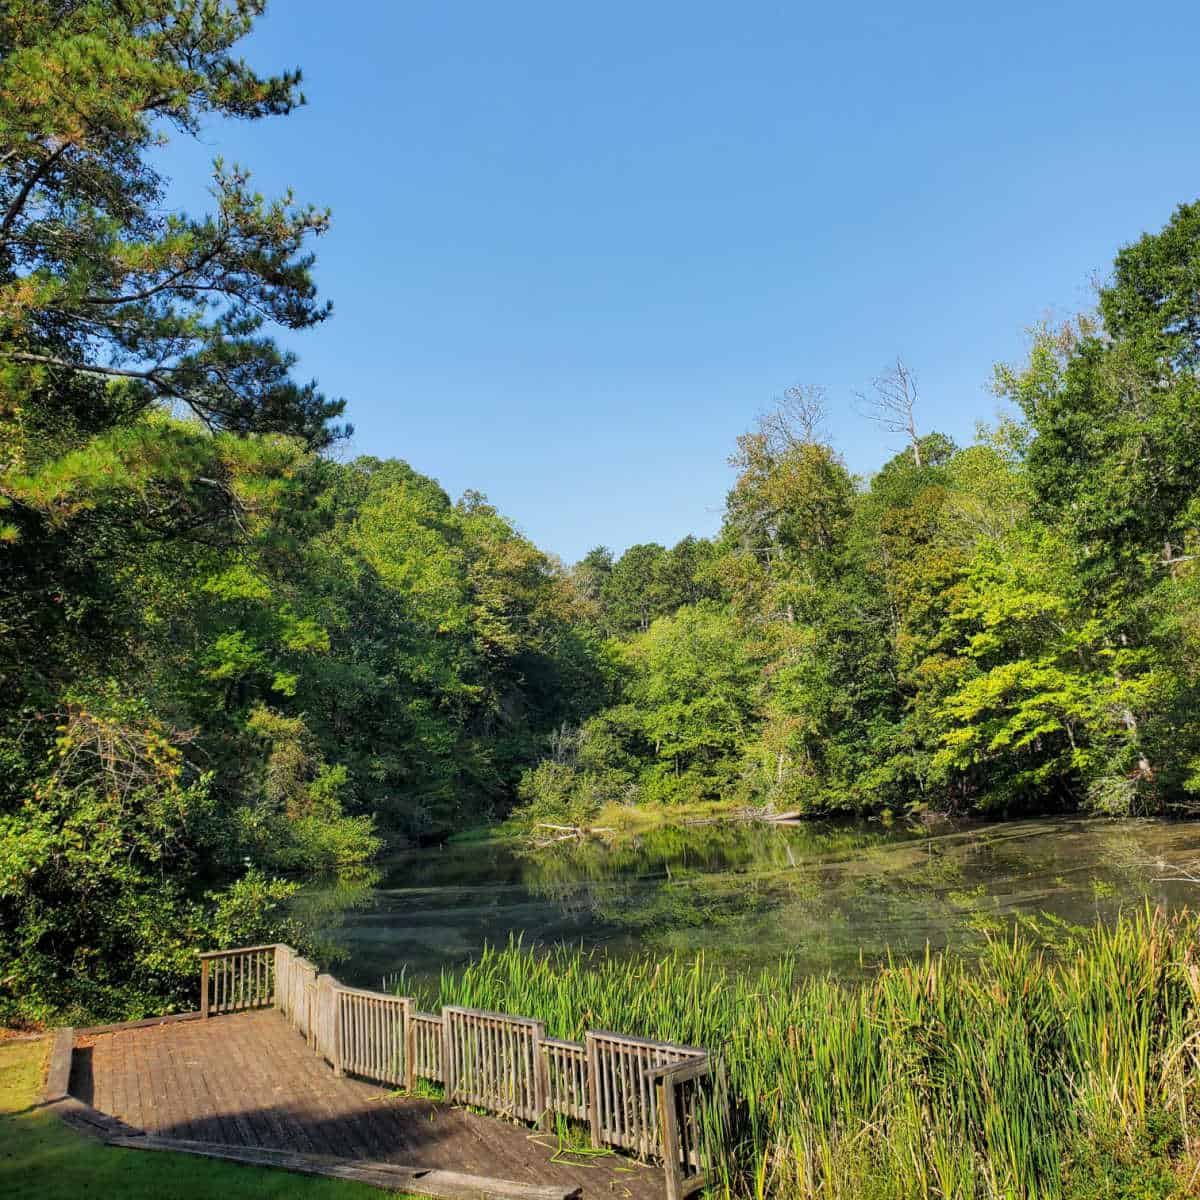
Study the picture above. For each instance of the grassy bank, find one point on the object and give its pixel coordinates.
(42, 1158)
(1027, 1073)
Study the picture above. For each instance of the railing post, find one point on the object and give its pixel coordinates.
(204, 989)
(410, 1049)
(541, 1077)
(593, 1087)
(669, 1126)
(337, 1030)
(449, 1081)
(282, 953)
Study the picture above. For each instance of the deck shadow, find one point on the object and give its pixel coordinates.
(249, 1080)
(82, 1086)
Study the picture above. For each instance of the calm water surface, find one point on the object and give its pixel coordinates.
(838, 897)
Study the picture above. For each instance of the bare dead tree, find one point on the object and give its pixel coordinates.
(892, 403)
(796, 419)
(121, 758)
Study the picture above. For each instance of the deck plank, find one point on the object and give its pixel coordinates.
(249, 1080)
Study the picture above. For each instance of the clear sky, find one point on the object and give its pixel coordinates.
(577, 247)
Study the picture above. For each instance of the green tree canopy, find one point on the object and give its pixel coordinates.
(99, 279)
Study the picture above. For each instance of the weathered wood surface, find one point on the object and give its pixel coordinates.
(86, 1120)
(494, 1061)
(566, 1078)
(56, 1091)
(144, 1023)
(234, 980)
(501, 1063)
(678, 1112)
(58, 1070)
(248, 1080)
(419, 1181)
(425, 1047)
(368, 1038)
(622, 1101)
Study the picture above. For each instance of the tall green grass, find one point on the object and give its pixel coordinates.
(1025, 1073)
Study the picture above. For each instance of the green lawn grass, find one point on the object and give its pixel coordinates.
(41, 1157)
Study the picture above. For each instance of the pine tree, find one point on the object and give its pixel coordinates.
(98, 280)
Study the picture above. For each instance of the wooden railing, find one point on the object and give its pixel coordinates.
(680, 1094)
(637, 1095)
(625, 1111)
(424, 1047)
(566, 1078)
(371, 1030)
(494, 1061)
(233, 980)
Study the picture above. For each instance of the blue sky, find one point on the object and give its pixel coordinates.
(577, 248)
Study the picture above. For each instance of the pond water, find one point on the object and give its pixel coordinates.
(838, 897)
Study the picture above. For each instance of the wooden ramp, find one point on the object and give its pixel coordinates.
(247, 1082)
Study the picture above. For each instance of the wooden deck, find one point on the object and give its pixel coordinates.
(249, 1080)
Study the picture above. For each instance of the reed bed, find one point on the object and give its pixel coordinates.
(1024, 1073)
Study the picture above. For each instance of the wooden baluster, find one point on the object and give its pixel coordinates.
(382, 1065)
(410, 1048)
(369, 1039)
(339, 999)
(364, 1034)
(376, 1038)
(362, 1012)
(500, 1041)
(612, 1115)
(646, 1103)
(368, 1034)
(356, 1016)
(621, 1074)
(539, 1084)
(383, 1051)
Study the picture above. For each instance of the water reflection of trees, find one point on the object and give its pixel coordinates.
(683, 850)
(837, 895)
(833, 895)
(322, 908)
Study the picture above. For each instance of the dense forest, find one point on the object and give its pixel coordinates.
(1002, 627)
(1006, 626)
(224, 654)
(227, 655)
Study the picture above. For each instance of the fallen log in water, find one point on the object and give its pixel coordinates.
(567, 833)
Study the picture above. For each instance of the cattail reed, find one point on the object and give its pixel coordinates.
(1024, 1073)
